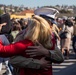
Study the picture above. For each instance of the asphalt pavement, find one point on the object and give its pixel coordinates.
(68, 67)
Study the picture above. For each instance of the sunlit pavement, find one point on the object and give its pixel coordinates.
(3, 70)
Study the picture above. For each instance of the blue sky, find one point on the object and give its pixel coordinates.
(35, 3)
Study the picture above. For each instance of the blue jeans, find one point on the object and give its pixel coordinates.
(74, 44)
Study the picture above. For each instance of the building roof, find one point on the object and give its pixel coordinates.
(26, 11)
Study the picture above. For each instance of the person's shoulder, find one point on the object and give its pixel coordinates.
(2, 35)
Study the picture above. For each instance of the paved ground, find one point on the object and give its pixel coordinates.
(3, 70)
(68, 67)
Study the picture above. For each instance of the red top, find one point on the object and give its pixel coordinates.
(19, 49)
(14, 49)
(53, 41)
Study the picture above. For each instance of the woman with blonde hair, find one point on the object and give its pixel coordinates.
(38, 30)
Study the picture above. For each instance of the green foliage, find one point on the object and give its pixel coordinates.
(1, 12)
(64, 11)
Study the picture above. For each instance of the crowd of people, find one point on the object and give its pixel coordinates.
(34, 44)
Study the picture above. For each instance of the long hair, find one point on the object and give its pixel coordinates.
(39, 30)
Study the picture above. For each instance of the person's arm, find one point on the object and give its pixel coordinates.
(4, 39)
(56, 55)
(23, 62)
(52, 55)
(3, 24)
(17, 48)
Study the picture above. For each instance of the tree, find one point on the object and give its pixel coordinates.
(1, 12)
